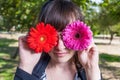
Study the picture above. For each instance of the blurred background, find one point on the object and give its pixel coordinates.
(103, 16)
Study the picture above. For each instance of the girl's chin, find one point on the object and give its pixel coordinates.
(61, 59)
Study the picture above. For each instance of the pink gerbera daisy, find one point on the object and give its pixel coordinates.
(77, 36)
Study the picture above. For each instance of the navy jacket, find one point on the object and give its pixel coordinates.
(39, 71)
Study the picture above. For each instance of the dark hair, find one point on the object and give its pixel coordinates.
(59, 13)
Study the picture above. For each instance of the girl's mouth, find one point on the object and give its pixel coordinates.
(60, 54)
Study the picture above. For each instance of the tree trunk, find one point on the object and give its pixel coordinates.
(111, 35)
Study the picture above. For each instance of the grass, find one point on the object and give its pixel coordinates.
(110, 58)
(6, 42)
(7, 65)
(109, 65)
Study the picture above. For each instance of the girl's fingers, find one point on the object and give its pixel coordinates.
(22, 42)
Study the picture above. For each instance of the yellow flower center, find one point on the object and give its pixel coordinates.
(42, 38)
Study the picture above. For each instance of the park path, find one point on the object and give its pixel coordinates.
(104, 47)
(110, 70)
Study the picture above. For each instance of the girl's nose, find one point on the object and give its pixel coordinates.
(60, 44)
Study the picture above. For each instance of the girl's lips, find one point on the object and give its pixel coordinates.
(60, 54)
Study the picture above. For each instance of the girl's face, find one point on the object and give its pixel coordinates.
(60, 53)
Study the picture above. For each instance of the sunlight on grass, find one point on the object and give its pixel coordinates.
(6, 76)
(7, 68)
(6, 42)
(3, 54)
(7, 65)
(110, 66)
(110, 58)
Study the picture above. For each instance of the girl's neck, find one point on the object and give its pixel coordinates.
(55, 70)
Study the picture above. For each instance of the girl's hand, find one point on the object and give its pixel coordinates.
(89, 59)
(28, 59)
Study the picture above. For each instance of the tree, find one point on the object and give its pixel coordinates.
(109, 16)
(23, 13)
(19, 13)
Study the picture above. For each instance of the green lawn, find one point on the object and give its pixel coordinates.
(109, 58)
(110, 65)
(7, 64)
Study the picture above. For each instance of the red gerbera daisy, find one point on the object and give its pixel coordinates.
(42, 38)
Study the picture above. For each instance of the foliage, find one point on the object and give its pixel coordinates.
(116, 28)
(22, 14)
(19, 13)
(109, 15)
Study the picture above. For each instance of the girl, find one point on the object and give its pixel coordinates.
(60, 63)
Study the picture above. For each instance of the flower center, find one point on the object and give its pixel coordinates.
(42, 38)
(77, 35)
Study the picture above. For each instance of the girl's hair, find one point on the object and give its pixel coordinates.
(59, 13)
